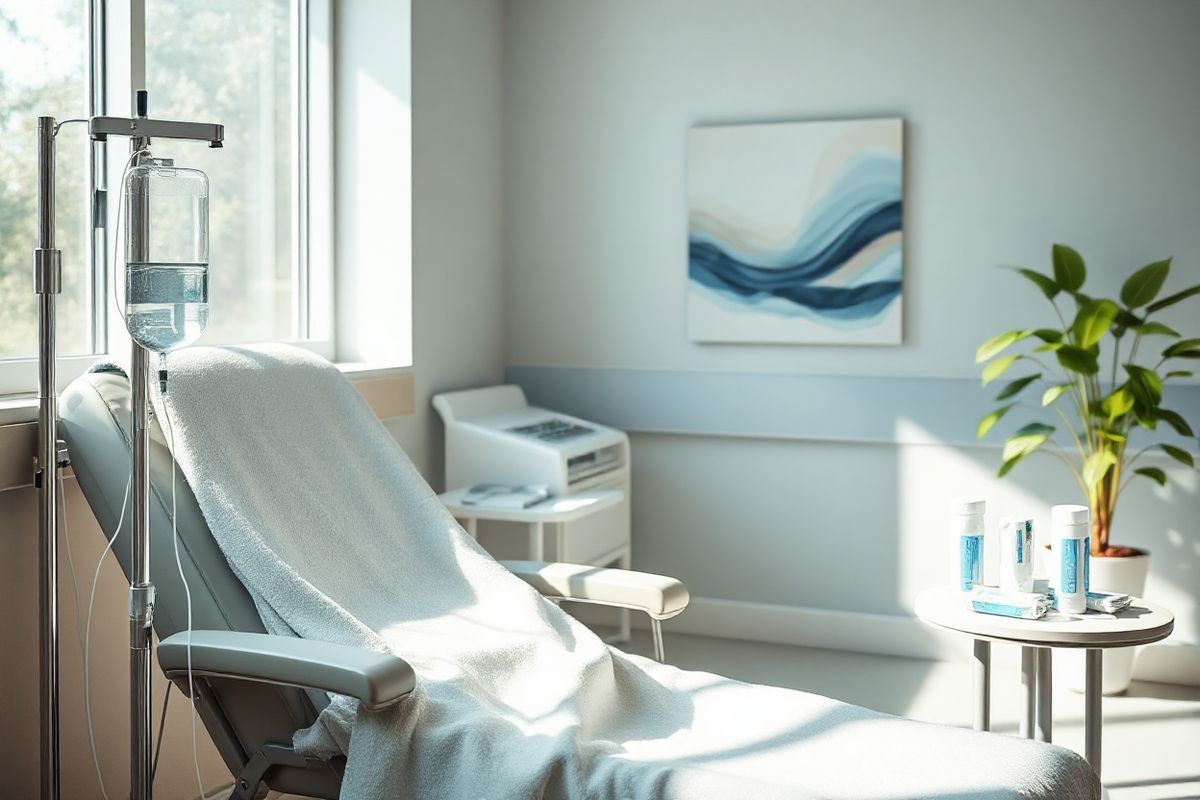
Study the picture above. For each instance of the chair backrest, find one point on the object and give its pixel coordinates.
(241, 717)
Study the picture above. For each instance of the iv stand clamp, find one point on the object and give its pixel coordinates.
(100, 128)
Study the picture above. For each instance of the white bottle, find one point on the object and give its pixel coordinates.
(1070, 527)
(966, 528)
(1016, 555)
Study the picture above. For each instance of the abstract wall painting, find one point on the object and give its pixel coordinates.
(794, 232)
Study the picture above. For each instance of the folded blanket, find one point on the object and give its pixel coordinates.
(337, 538)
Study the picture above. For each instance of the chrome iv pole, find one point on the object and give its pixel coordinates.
(47, 283)
(51, 453)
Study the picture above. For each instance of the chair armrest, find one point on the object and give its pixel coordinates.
(375, 679)
(659, 596)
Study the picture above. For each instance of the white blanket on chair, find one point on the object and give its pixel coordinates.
(338, 538)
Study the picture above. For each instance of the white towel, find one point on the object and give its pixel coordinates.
(338, 538)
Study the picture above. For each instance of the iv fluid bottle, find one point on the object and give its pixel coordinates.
(166, 255)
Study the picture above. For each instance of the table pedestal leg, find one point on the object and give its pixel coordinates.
(1092, 711)
(537, 541)
(1045, 694)
(1028, 690)
(982, 665)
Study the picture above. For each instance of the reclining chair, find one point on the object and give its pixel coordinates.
(232, 654)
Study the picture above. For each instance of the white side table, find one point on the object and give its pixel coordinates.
(1141, 623)
(565, 508)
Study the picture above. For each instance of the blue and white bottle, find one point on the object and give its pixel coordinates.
(1070, 527)
(967, 529)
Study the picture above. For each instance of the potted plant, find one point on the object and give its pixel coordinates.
(1101, 374)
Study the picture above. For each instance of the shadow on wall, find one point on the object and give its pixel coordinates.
(809, 524)
(810, 530)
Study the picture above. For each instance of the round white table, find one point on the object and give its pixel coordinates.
(1141, 623)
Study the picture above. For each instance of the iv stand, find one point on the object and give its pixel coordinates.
(51, 456)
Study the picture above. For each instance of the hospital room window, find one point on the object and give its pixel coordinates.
(242, 64)
(43, 71)
(263, 70)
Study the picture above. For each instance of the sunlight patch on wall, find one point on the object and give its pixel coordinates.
(931, 474)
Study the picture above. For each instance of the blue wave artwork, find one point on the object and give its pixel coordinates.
(795, 232)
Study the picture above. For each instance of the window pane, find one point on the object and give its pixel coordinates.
(233, 62)
(43, 72)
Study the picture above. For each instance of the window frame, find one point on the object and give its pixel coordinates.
(116, 66)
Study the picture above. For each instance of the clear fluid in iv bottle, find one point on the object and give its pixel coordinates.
(166, 304)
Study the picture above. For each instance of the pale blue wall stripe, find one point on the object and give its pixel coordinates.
(787, 406)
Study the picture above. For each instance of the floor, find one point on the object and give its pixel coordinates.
(1151, 734)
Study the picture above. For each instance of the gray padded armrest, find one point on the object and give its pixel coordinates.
(374, 679)
(659, 596)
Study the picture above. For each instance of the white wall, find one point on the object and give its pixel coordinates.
(1027, 123)
(373, 148)
(457, 315)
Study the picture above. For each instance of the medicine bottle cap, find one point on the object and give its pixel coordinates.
(969, 508)
(1072, 515)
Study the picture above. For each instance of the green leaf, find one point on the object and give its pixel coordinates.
(1043, 282)
(1117, 404)
(1078, 359)
(1021, 444)
(996, 344)
(1179, 454)
(1093, 321)
(1048, 347)
(1155, 329)
(1097, 465)
(1026, 440)
(1069, 271)
(1112, 436)
(1153, 473)
(1171, 300)
(1182, 349)
(1144, 285)
(1145, 385)
(1125, 319)
(1048, 335)
(1055, 392)
(1007, 466)
(1179, 373)
(1013, 388)
(988, 422)
(1174, 419)
(997, 368)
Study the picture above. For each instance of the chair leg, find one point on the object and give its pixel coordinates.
(249, 784)
(659, 651)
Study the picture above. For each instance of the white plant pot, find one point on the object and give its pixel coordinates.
(1125, 575)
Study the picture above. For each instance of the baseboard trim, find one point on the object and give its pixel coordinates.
(861, 632)
(855, 631)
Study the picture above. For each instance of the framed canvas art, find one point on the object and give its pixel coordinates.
(795, 232)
